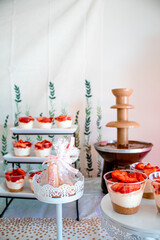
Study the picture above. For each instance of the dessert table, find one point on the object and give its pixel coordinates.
(145, 224)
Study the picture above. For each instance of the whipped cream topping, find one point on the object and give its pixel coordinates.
(64, 124)
(43, 153)
(22, 151)
(128, 200)
(26, 125)
(15, 185)
(44, 125)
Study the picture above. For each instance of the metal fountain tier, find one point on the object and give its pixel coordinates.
(121, 153)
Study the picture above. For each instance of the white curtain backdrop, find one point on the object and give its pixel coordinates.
(110, 43)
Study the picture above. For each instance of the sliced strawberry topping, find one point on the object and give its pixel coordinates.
(139, 166)
(128, 188)
(62, 118)
(21, 144)
(117, 187)
(15, 175)
(32, 174)
(26, 119)
(112, 180)
(124, 177)
(45, 119)
(43, 144)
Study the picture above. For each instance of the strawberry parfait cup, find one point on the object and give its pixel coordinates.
(25, 122)
(63, 121)
(146, 168)
(15, 180)
(125, 189)
(44, 122)
(31, 175)
(22, 148)
(155, 182)
(43, 149)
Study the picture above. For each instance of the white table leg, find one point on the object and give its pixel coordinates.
(59, 221)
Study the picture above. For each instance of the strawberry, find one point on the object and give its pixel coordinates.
(140, 177)
(116, 173)
(26, 119)
(112, 180)
(21, 171)
(139, 166)
(149, 171)
(39, 146)
(130, 188)
(62, 118)
(148, 166)
(45, 119)
(32, 174)
(117, 187)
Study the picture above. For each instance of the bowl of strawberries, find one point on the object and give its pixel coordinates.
(15, 180)
(125, 189)
(155, 182)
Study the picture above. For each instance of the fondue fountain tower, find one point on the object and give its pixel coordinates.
(121, 153)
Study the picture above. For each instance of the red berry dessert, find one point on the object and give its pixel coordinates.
(43, 149)
(22, 149)
(146, 168)
(125, 189)
(44, 122)
(31, 175)
(155, 180)
(26, 122)
(15, 180)
(63, 121)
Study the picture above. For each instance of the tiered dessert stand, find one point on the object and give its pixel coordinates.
(26, 193)
(145, 224)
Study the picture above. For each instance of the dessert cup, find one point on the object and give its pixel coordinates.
(43, 149)
(63, 121)
(126, 190)
(22, 149)
(155, 181)
(31, 175)
(15, 180)
(148, 191)
(44, 122)
(25, 122)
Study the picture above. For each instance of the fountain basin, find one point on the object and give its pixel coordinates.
(115, 158)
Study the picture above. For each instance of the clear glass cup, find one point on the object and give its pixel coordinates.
(30, 177)
(15, 183)
(125, 197)
(155, 182)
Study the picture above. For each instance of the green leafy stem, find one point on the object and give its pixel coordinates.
(87, 131)
(99, 137)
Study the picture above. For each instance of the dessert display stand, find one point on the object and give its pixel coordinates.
(145, 224)
(26, 193)
(46, 192)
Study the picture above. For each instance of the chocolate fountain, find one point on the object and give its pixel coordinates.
(121, 153)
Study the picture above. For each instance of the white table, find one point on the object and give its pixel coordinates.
(145, 224)
(59, 202)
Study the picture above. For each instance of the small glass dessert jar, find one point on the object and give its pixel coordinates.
(44, 122)
(15, 180)
(125, 189)
(146, 168)
(31, 175)
(25, 122)
(22, 148)
(155, 181)
(43, 149)
(63, 121)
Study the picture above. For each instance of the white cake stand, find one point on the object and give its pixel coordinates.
(43, 193)
(145, 224)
